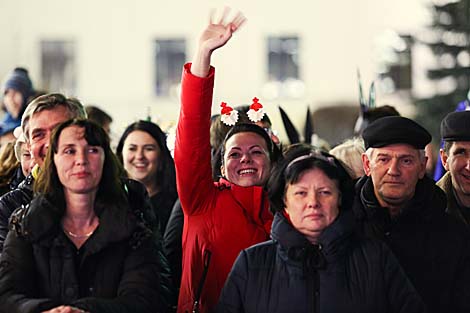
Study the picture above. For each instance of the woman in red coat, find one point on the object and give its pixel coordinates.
(224, 218)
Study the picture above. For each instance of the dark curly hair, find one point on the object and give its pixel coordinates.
(299, 158)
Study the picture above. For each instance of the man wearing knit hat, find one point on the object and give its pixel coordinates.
(399, 205)
(17, 89)
(455, 156)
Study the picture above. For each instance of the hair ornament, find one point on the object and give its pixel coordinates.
(228, 115)
(256, 111)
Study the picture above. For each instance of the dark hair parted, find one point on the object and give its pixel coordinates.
(273, 151)
(299, 158)
(110, 190)
(166, 175)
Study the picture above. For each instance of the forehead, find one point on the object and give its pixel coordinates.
(139, 137)
(399, 149)
(71, 135)
(245, 140)
(460, 145)
(49, 117)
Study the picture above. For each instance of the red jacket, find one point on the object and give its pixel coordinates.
(219, 219)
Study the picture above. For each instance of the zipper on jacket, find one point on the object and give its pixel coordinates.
(197, 297)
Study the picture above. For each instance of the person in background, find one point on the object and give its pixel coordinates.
(100, 117)
(22, 154)
(39, 119)
(79, 246)
(223, 218)
(455, 156)
(315, 262)
(143, 151)
(8, 168)
(350, 153)
(17, 90)
(397, 203)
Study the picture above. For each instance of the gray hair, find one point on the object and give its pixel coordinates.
(421, 153)
(49, 102)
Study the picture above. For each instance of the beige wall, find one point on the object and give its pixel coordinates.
(115, 47)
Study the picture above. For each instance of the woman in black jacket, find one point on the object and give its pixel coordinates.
(79, 247)
(315, 262)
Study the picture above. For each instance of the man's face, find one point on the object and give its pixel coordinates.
(457, 162)
(41, 125)
(395, 170)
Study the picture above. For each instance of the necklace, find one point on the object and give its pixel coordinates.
(68, 232)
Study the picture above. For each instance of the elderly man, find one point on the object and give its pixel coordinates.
(399, 205)
(455, 156)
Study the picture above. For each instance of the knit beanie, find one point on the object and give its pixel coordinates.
(19, 80)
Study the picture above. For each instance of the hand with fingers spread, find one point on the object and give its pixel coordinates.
(216, 35)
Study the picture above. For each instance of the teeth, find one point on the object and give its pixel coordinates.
(247, 171)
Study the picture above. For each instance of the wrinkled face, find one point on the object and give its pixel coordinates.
(395, 171)
(140, 155)
(246, 160)
(40, 126)
(25, 159)
(79, 165)
(458, 163)
(13, 101)
(312, 203)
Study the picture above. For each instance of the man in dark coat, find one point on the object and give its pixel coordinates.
(398, 204)
(455, 156)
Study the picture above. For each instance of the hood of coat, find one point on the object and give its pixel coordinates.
(428, 202)
(41, 222)
(333, 243)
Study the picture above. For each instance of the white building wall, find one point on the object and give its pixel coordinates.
(115, 47)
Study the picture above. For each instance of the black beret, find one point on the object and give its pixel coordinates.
(456, 126)
(395, 129)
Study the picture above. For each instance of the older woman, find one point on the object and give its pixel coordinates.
(143, 151)
(223, 218)
(79, 246)
(315, 262)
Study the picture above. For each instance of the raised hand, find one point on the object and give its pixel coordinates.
(216, 35)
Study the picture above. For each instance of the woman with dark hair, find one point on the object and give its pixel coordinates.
(220, 219)
(143, 151)
(79, 246)
(315, 262)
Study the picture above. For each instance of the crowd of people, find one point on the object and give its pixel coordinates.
(236, 221)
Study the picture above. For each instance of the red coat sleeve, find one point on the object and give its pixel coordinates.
(192, 148)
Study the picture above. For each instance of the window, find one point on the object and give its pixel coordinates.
(170, 55)
(283, 68)
(58, 68)
(283, 58)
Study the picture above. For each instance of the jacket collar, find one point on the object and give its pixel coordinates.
(332, 243)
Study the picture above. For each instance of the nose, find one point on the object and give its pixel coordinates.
(246, 158)
(467, 166)
(313, 201)
(140, 153)
(394, 167)
(82, 158)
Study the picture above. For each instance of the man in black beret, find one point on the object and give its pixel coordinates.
(455, 156)
(398, 204)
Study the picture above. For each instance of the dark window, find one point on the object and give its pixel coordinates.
(170, 55)
(283, 55)
(58, 67)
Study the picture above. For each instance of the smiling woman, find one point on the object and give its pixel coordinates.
(145, 156)
(223, 218)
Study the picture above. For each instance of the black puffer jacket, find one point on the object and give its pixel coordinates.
(116, 270)
(11, 201)
(431, 246)
(342, 274)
